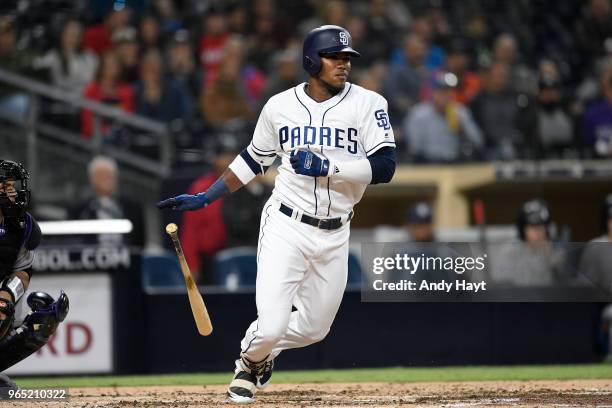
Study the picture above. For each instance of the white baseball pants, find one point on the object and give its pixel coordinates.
(301, 265)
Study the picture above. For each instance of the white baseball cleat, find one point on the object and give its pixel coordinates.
(242, 387)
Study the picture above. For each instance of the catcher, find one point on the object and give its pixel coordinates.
(19, 237)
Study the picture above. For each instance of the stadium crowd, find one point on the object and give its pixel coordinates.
(469, 80)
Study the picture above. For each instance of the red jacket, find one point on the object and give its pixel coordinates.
(97, 39)
(121, 97)
(212, 49)
(203, 231)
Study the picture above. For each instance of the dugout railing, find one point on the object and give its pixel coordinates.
(57, 155)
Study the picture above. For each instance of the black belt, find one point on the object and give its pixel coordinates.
(326, 224)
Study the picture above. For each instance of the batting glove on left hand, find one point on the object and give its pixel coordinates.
(309, 164)
(185, 202)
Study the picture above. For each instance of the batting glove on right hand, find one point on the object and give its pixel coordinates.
(308, 163)
(185, 202)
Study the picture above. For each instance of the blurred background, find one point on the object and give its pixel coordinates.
(502, 114)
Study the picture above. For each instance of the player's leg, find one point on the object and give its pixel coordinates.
(33, 333)
(281, 266)
(320, 294)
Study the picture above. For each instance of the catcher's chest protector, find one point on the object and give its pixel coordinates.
(11, 241)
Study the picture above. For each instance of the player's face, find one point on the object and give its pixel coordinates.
(8, 187)
(104, 181)
(535, 234)
(422, 232)
(335, 69)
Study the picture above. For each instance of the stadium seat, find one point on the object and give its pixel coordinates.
(235, 267)
(161, 270)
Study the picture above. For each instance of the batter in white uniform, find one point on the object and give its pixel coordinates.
(333, 138)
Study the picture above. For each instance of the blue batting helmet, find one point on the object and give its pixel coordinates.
(327, 39)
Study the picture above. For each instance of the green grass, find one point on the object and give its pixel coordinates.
(395, 374)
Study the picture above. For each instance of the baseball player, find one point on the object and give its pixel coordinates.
(333, 138)
(19, 236)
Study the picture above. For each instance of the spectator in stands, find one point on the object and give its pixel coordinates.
(70, 67)
(380, 30)
(150, 36)
(597, 256)
(263, 43)
(157, 97)
(105, 203)
(125, 45)
(269, 34)
(522, 79)
(182, 65)
(212, 44)
(597, 120)
(226, 99)
(438, 18)
(14, 103)
(287, 73)
(169, 20)
(402, 86)
(478, 44)
(506, 119)
(595, 269)
(422, 27)
(441, 130)
(98, 38)
(593, 31)
(534, 261)
(203, 233)
(458, 63)
(238, 18)
(555, 128)
(108, 88)
(419, 222)
(372, 78)
(334, 12)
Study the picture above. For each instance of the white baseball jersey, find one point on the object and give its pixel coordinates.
(349, 126)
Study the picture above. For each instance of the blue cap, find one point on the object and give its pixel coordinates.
(420, 213)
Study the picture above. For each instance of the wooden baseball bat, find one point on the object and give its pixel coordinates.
(200, 314)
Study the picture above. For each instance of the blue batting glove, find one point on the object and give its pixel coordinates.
(185, 202)
(309, 164)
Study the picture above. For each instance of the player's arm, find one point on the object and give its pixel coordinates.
(245, 167)
(16, 284)
(378, 167)
(252, 161)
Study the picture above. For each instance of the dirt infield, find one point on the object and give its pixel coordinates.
(579, 393)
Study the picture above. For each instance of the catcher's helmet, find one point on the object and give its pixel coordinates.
(10, 170)
(327, 39)
(534, 212)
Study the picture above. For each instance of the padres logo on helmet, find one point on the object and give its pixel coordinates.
(327, 39)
